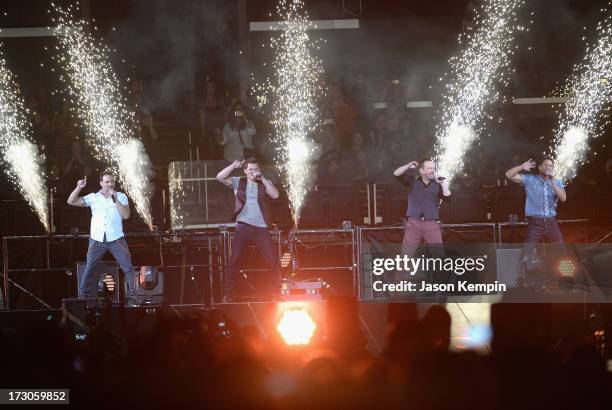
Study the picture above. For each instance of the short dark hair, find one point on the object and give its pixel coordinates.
(546, 158)
(106, 173)
(422, 161)
(250, 160)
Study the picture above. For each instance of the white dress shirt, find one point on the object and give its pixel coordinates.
(105, 217)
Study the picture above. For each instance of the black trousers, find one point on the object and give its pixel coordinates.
(246, 235)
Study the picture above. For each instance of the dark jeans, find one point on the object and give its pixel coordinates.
(539, 229)
(96, 251)
(245, 235)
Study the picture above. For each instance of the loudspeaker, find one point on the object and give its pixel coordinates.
(508, 266)
(107, 272)
(148, 286)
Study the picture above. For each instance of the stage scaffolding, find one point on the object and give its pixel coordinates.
(337, 256)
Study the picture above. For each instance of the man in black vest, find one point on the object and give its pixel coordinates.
(425, 190)
(252, 216)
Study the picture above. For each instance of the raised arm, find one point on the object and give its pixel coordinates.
(74, 198)
(513, 174)
(446, 192)
(224, 175)
(399, 171)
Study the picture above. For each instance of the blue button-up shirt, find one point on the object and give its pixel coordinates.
(541, 199)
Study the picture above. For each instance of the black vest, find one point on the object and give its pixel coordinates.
(424, 200)
(262, 200)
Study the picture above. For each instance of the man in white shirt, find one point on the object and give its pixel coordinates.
(108, 209)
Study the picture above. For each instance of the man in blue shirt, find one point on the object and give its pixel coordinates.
(543, 192)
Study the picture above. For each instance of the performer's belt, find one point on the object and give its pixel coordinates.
(420, 218)
(547, 218)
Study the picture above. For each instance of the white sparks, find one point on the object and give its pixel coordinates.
(475, 73)
(102, 108)
(25, 163)
(583, 117)
(134, 165)
(177, 195)
(296, 88)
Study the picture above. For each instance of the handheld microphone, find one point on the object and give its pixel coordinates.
(114, 199)
(440, 178)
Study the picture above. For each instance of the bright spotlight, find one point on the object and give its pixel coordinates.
(296, 326)
(566, 270)
(566, 267)
(285, 260)
(109, 281)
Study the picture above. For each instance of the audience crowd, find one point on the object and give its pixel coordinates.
(175, 360)
(363, 135)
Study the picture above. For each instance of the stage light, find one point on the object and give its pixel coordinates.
(301, 290)
(565, 270)
(565, 267)
(109, 281)
(285, 260)
(296, 326)
(147, 286)
(106, 286)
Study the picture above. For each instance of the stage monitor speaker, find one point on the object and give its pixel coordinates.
(508, 266)
(107, 272)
